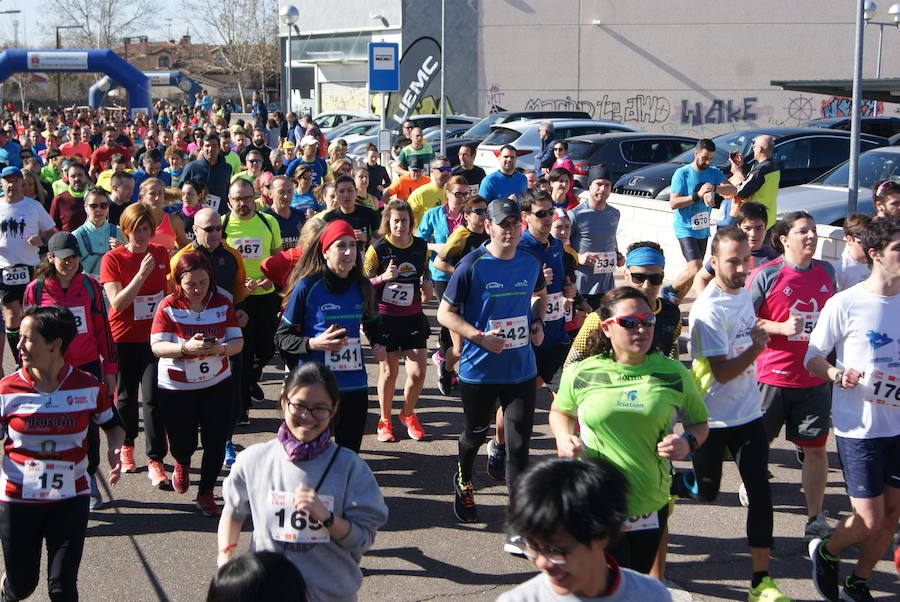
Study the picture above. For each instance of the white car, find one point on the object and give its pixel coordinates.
(525, 136)
(326, 121)
(825, 198)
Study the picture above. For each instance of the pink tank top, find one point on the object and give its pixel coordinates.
(165, 235)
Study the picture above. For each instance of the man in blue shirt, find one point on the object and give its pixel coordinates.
(151, 167)
(211, 169)
(543, 158)
(506, 182)
(9, 149)
(309, 157)
(696, 189)
(496, 301)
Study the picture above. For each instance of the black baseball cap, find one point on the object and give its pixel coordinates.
(414, 163)
(63, 244)
(501, 209)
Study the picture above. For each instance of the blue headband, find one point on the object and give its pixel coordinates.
(645, 256)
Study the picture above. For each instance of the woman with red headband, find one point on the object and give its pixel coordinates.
(321, 322)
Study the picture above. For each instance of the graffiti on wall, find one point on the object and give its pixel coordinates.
(494, 96)
(560, 104)
(841, 106)
(718, 111)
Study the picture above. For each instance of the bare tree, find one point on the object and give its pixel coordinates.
(247, 34)
(104, 22)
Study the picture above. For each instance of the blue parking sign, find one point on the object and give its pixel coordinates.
(384, 67)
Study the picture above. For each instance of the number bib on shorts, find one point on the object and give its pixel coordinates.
(398, 293)
(145, 306)
(212, 201)
(199, 369)
(644, 522)
(606, 263)
(17, 276)
(885, 390)
(555, 307)
(345, 359)
(295, 526)
(51, 480)
(809, 323)
(80, 319)
(700, 221)
(249, 248)
(514, 330)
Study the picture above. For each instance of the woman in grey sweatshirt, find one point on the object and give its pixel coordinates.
(314, 502)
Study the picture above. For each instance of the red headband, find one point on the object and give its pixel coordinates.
(334, 231)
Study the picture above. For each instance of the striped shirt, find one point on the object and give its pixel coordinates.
(45, 457)
(175, 322)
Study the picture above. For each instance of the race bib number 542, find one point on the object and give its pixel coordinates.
(514, 330)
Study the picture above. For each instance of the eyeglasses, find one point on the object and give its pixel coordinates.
(655, 279)
(479, 211)
(461, 195)
(542, 213)
(445, 169)
(557, 556)
(98, 205)
(210, 229)
(320, 414)
(632, 322)
(243, 199)
(254, 160)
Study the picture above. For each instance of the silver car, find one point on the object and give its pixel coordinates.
(826, 197)
(525, 137)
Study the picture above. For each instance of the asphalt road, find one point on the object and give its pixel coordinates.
(148, 545)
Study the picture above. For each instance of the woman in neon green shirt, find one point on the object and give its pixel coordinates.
(624, 399)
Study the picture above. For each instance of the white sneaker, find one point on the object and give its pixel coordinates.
(818, 527)
(742, 495)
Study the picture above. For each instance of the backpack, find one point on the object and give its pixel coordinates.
(39, 290)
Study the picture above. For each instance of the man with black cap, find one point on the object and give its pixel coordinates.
(496, 301)
(404, 186)
(25, 226)
(594, 226)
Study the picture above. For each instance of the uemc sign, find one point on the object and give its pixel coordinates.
(419, 68)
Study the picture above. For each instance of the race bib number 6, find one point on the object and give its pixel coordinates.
(514, 330)
(200, 369)
(16, 276)
(885, 390)
(295, 526)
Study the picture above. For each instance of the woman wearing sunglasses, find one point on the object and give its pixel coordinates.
(310, 500)
(625, 398)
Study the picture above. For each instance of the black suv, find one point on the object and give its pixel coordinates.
(622, 153)
(877, 126)
(805, 154)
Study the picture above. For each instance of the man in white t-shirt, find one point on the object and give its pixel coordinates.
(861, 325)
(25, 226)
(725, 341)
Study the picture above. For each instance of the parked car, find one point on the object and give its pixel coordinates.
(877, 126)
(622, 152)
(826, 197)
(358, 150)
(805, 154)
(525, 137)
(432, 135)
(332, 119)
(353, 129)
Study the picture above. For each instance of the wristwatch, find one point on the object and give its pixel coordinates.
(839, 379)
(328, 521)
(692, 441)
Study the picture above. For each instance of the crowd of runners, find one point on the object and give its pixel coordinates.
(156, 265)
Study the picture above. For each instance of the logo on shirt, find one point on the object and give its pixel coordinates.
(12, 228)
(878, 339)
(329, 307)
(76, 400)
(521, 283)
(491, 285)
(406, 269)
(629, 400)
(788, 291)
(824, 289)
(801, 306)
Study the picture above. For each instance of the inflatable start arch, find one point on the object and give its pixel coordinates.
(98, 91)
(82, 61)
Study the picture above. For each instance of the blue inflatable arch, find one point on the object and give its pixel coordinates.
(82, 61)
(97, 92)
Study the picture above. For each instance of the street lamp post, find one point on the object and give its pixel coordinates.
(58, 46)
(869, 13)
(288, 16)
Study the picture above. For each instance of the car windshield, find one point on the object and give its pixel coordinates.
(873, 166)
(482, 129)
(728, 143)
(501, 136)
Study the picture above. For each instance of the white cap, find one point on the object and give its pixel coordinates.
(307, 140)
